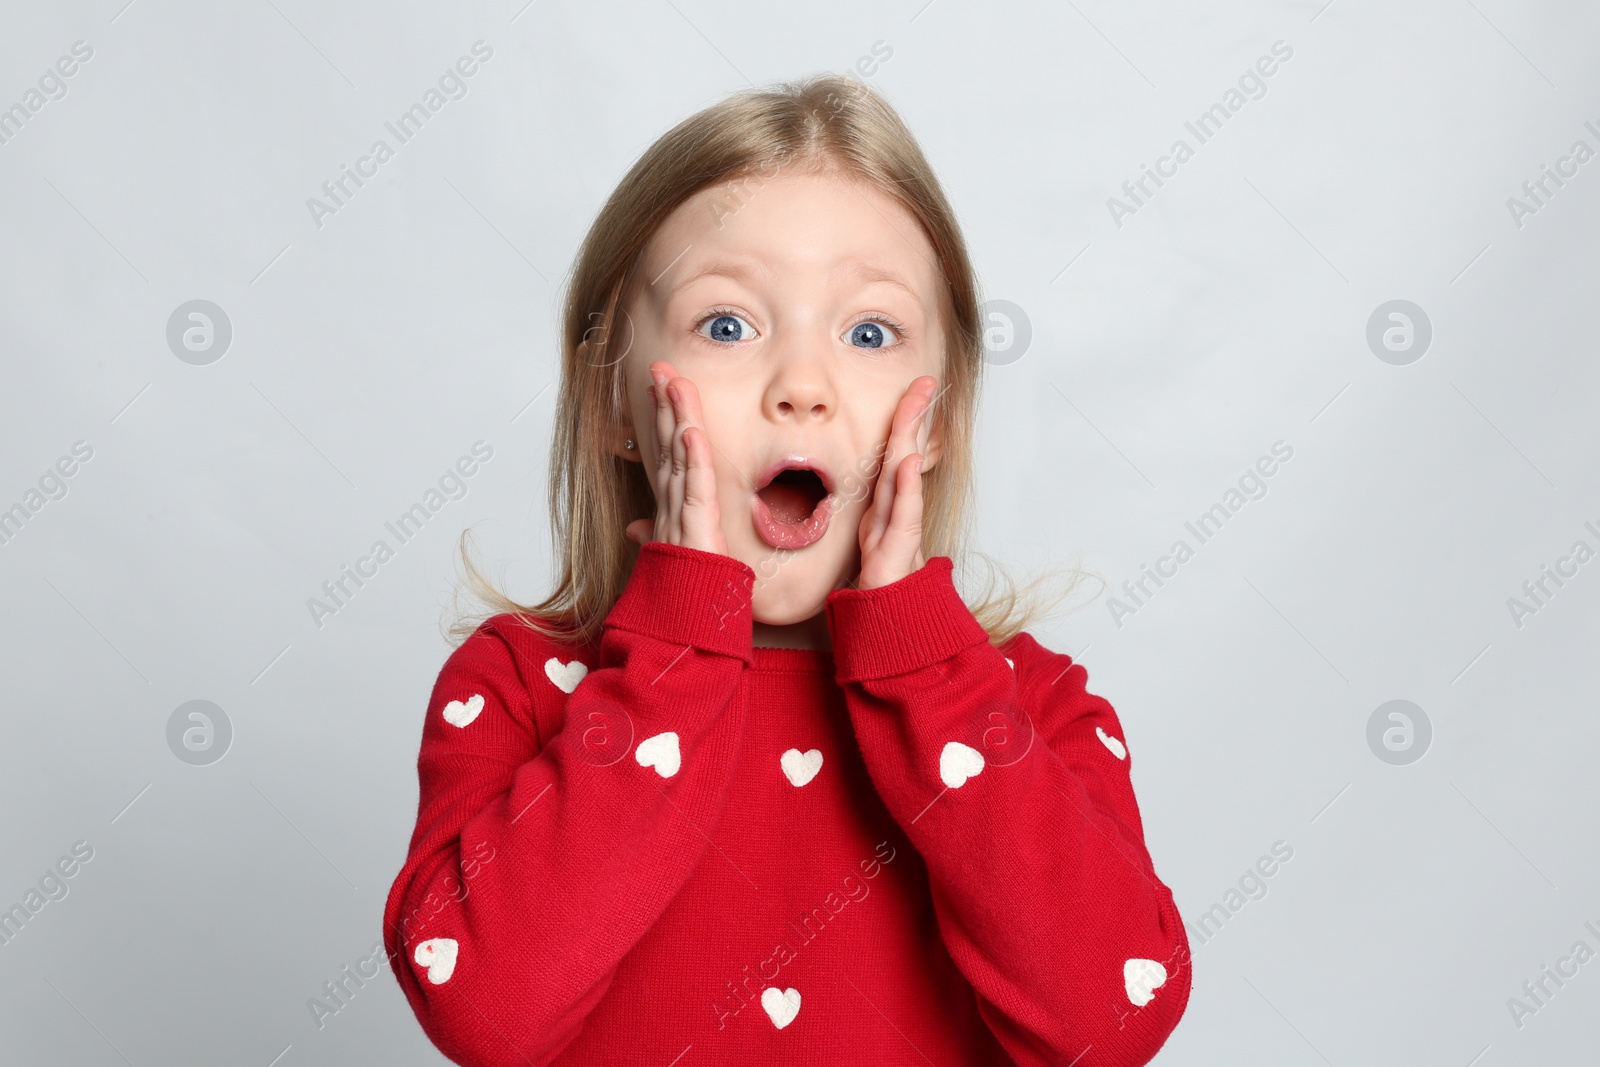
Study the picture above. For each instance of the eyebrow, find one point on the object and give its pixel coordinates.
(866, 272)
(739, 271)
(746, 272)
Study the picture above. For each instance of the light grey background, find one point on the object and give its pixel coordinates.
(1167, 354)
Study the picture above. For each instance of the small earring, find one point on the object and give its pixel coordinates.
(628, 444)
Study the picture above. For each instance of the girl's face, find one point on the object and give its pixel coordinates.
(801, 307)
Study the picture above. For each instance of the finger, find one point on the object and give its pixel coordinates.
(876, 519)
(664, 424)
(689, 404)
(669, 497)
(701, 518)
(697, 468)
(903, 537)
(680, 462)
(901, 443)
(640, 530)
(914, 407)
(924, 420)
(661, 475)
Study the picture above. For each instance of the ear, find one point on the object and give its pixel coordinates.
(935, 444)
(931, 454)
(933, 416)
(617, 437)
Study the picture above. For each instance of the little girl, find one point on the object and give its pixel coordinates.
(754, 785)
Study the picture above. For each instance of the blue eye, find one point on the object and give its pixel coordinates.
(870, 334)
(725, 327)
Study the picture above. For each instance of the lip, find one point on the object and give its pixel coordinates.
(773, 469)
(785, 535)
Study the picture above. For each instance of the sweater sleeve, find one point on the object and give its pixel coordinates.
(1015, 790)
(537, 863)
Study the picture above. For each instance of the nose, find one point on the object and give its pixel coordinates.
(801, 389)
(803, 402)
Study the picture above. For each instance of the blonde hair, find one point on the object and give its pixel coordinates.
(822, 123)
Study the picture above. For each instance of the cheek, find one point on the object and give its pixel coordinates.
(872, 415)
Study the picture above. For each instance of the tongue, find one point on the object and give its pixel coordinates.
(786, 503)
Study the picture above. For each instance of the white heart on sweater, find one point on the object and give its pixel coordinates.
(781, 1005)
(438, 954)
(566, 676)
(959, 762)
(457, 713)
(1118, 749)
(1013, 666)
(800, 767)
(1141, 978)
(660, 752)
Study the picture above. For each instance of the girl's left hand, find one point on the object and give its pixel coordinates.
(891, 530)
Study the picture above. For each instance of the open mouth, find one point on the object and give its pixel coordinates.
(791, 509)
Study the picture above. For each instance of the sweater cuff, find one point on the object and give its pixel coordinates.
(904, 626)
(686, 596)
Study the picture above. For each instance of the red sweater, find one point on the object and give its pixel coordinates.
(672, 848)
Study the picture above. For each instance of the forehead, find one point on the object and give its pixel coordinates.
(792, 227)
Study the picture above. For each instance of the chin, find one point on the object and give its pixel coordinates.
(780, 603)
(792, 586)
(799, 589)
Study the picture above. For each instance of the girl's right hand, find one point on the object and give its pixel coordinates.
(681, 470)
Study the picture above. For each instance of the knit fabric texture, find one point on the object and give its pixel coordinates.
(671, 847)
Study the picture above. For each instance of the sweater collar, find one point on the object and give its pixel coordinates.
(810, 660)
